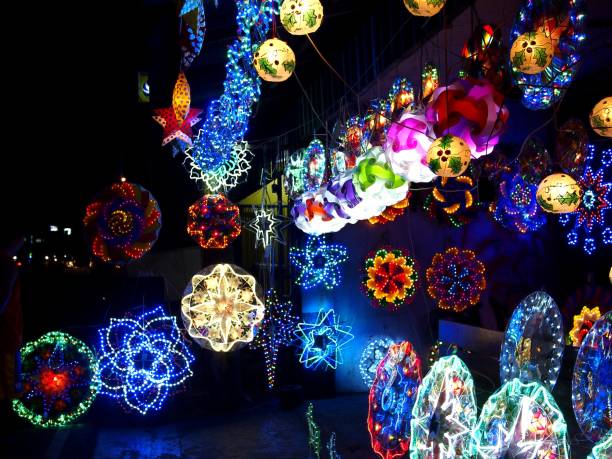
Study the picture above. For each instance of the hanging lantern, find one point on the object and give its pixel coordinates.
(559, 194)
(448, 156)
(531, 53)
(430, 80)
(274, 61)
(425, 8)
(301, 17)
(601, 117)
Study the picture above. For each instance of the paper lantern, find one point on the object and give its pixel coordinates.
(213, 221)
(301, 17)
(274, 60)
(583, 322)
(221, 307)
(531, 53)
(601, 117)
(425, 8)
(448, 156)
(559, 194)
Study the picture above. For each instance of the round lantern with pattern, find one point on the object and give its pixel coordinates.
(559, 194)
(301, 17)
(531, 53)
(601, 117)
(424, 7)
(448, 156)
(274, 61)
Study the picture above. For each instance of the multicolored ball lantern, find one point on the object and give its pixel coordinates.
(274, 60)
(390, 278)
(301, 17)
(371, 356)
(531, 52)
(425, 8)
(601, 117)
(213, 221)
(583, 322)
(58, 380)
(559, 194)
(122, 223)
(448, 156)
(456, 279)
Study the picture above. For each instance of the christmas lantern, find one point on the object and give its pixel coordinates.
(425, 8)
(601, 117)
(531, 53)
(301, 17)
(274, 61)
(448, 156)
(559, 194)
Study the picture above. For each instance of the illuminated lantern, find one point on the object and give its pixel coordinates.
(213, 221)
(559, 194)
(601, 117)
(531, 53)
(301, 17)
(425, 8)
(274, 61)
(430, 80)
(448, 156)
(583, 323)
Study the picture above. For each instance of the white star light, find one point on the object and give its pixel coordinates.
(266, 227)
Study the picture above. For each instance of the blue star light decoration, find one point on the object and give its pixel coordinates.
(318, 263)
(142, 359)
(591, 223)
(322, 341)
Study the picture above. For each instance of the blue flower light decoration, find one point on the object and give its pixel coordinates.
(590, 223)
(141, 359)
(318, 263)
(516, 207)
(323, 340)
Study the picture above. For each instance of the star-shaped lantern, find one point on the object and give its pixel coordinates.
(318, 263)
(221, 308)
(323, 340)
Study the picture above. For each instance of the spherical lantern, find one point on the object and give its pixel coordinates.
(301, 17)
(601, 117)
(425, 8)
(448, 156)
(531, 53)
(274, 61)
(213, 221)
(559, 194)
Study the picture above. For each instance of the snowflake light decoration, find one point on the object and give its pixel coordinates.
(583, 323)
(390, 278)
(213, 221)
(266, 227)
(444, 413)
(322, 341)
(318, 263)
(142, 359)
(373, 353)
(58, 379)
(276, 330)
(591, 221)
(456, 279)
(221, 308)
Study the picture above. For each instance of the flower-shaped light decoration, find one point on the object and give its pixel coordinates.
(122, 223)
(193, 28)
(391, 399)
(533, 343)
(583, 322)
(318, 263)
(391, 212)
(521, 420)
(213, 221)
(221, 308)
(516, 207)
(452, 200)
(321, 342)
(142, 359)
(591, 223)
(444, 413)
(58, 380)
(456, 279)
(563, 22)
(390, 278)
(275, 331)
(371, 356)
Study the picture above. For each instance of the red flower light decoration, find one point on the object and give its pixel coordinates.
(213, 221)
(122, 223)
(456, 279)
(390, 278)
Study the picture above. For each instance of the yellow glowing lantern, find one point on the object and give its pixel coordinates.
(531, 52)
(424, 7)
(448, 156)
(301, 17)
(274, 60)
(601, 117)
(583, 323)
(559, 194)
(181, 98)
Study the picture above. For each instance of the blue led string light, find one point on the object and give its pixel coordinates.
(516, 207)
(318, 263)
(141, 359)
(372, 354)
